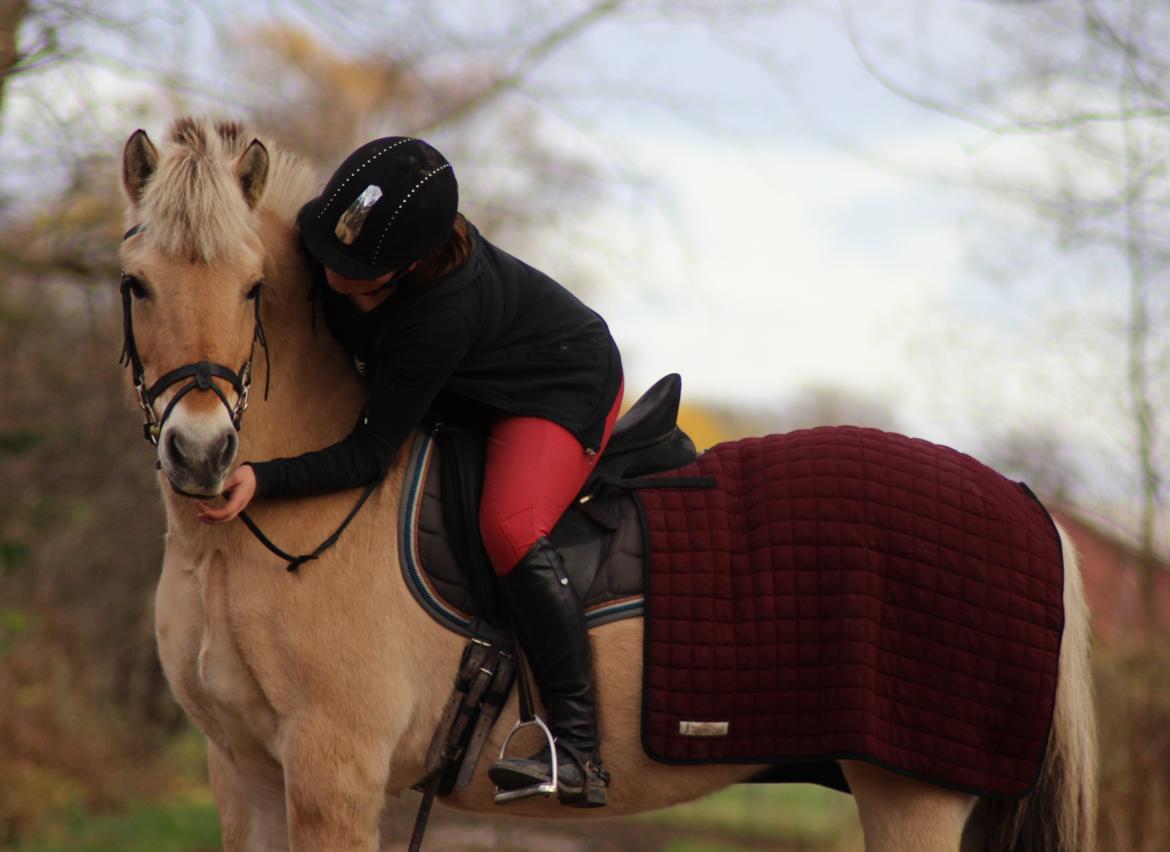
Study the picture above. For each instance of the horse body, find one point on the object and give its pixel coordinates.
(319, 691)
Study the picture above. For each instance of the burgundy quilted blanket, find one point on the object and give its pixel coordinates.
(845, 592)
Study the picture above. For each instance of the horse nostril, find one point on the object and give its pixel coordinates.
(227, 450)
(175, 448)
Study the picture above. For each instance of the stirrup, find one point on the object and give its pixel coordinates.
(546, 788)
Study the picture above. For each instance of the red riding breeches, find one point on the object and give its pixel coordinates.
(534, 469)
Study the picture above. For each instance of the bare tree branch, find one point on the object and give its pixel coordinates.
(530, 58)
(956, 110)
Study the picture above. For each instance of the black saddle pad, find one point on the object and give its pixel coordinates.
(601, 541)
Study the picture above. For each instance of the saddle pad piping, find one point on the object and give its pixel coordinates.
(616, 610)
(417, 581)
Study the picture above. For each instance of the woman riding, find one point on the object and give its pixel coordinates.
(426, 306)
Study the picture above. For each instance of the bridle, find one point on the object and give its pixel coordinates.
(200, 373)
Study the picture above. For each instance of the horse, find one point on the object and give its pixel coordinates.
(318, 692)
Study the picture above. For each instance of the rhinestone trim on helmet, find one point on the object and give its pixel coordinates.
(402, 203)
(350, 176)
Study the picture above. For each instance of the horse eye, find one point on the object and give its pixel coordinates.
(254, 292)
(137, 288)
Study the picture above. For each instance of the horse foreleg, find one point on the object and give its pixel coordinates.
(335, 786)
(250, 801)
(903, 815)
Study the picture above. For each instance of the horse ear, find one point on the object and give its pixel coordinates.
(139, 161)
(252, 172)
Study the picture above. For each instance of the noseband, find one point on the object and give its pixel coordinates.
(200, 373)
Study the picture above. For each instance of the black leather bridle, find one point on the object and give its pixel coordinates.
(200, 373)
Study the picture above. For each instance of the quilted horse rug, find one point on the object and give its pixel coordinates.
(845, 592)
(832, 593)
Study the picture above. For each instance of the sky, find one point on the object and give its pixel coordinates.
(790, 239)
(814, 231)
(781, 257)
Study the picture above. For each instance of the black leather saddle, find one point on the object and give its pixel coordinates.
(600, 536)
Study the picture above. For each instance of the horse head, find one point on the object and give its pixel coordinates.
(192, 277)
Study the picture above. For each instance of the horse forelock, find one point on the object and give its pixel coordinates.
(194, 207)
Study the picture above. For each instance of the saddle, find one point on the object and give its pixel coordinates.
(447, 570)
(599, 537)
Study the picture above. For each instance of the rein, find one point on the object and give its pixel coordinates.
(201, 374)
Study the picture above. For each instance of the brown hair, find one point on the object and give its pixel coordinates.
(448, 257)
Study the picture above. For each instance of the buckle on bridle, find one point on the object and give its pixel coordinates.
(242, 393)
(151, 429)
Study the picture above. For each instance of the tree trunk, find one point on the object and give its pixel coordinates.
(12, 12)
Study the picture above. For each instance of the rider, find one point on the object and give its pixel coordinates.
(426, 305)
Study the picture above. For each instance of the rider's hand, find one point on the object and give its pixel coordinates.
(238, 490)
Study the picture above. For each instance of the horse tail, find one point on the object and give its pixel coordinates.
(1061, 813)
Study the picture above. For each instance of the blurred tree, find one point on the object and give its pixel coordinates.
(327, 102)
(1043, 461)
(830, 405)
(1087, 82)
(12, 12)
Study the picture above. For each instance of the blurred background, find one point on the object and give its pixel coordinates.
(950, 218)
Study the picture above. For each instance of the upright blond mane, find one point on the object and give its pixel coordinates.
(193, 206)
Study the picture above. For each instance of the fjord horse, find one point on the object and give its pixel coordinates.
(319, 691)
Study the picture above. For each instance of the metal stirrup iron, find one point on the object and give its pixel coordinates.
(528, 718)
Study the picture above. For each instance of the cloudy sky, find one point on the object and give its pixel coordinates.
(803, 227)
(798, 241)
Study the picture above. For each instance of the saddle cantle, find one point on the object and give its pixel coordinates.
(599, 537)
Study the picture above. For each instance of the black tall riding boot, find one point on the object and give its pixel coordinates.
(551, 622)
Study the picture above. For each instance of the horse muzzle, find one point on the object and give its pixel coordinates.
(196, 453)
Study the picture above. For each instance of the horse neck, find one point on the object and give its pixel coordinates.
(314, 392)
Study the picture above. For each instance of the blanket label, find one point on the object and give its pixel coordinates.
(703, 729)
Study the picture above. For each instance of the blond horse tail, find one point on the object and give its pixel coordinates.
(1061, 815)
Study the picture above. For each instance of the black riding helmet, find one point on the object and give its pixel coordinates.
(390, 203)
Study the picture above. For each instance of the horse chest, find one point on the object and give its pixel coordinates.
(200, 654)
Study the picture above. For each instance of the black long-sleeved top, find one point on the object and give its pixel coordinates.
(494, 331)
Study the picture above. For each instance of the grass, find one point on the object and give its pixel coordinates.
(183, 819)
(185, 822)
(741, 818)
(802, 815)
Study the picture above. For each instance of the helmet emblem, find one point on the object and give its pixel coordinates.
(350, 223)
